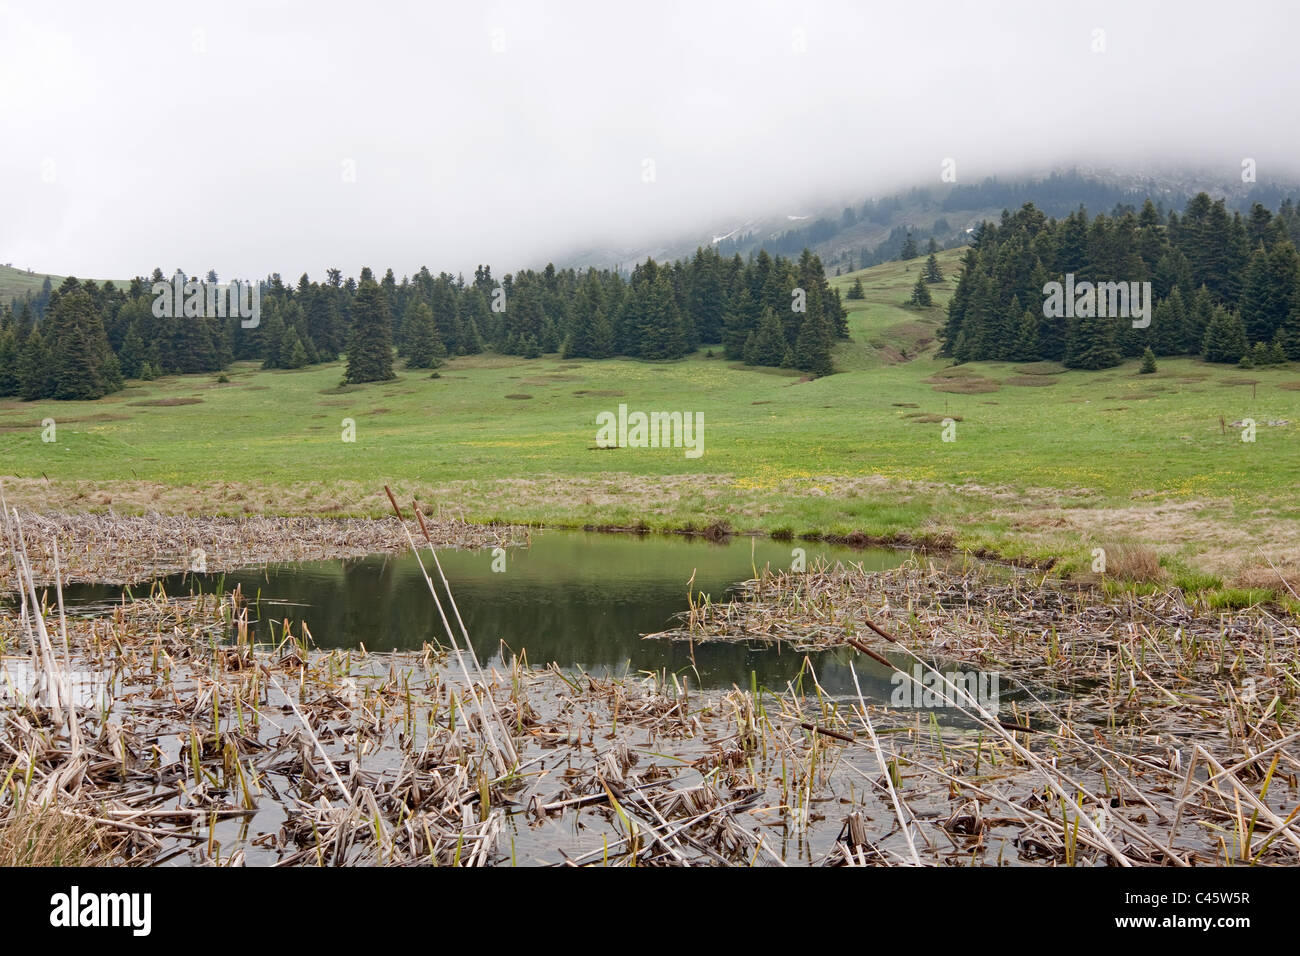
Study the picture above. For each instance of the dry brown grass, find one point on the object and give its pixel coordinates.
(123, 549)
(962, 381)
(1033, 381)
(1040, 368)
(929, 418)
(1132, 562)
(1282, 576)
(40, 836)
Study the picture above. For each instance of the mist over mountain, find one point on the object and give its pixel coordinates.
(870, 228)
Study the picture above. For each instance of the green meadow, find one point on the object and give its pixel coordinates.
(1046, 466)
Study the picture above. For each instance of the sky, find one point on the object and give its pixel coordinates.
(292, 137)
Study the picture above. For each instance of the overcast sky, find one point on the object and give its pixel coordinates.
(291, 137)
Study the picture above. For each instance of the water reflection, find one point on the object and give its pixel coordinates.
(580, 599)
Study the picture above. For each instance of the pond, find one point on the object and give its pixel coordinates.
(582, 600)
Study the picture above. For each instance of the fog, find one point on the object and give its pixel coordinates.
(303, 136)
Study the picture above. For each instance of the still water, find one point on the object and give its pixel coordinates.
(583, 600)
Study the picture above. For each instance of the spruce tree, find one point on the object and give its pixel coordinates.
(921, 293)
(1092, 343)
(707, 299)
(1167, 332)
(81, 363)
(424, 349)
(582, 340)
(932, 271)
(740, 322)
(1225, 337)
(1288, 336)
(662, 332)
(1197, 320)
(9, 383)
(370, 353)
(602, 335)
(766, 345)
(909, 249)
(295, 352)
(1026, 346)
(836, 314)
(812, 351)
(272, 335)
(856, 291)
(1148, 362)
(35, 380)
(132, 355)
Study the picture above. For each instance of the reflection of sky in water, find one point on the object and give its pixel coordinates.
(580, 599)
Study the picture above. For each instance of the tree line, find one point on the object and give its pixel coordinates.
(1226, 287)
(82, 339)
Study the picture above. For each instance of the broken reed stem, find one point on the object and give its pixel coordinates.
(880, 759)
(503, 766)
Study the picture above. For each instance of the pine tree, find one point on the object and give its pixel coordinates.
(1092, 344)
(812, 351)
(1167, 322)
(836, 314)
(1225, 337)
(272, 334)
(132, 355)
(296, 356)
(1197, 320)
(1254, 304)
(35, 380)
(370, 353)
(1148, 362)
(740, 322)
(856, 291)
(1260, 354)
(584, 339)
(1026, 347)
(1269, 291)
(1288, 336)
(766, 345)
(909, 249)
(81, 364)
(602, 335)
(932, 271)
(424, 349)
(921, 293)
(9, 382)
(324, 325)
(662, 332)
(707, 300)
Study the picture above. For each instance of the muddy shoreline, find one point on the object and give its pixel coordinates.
(124, 549)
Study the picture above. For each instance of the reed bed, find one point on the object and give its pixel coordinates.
(1133, 742)
(1146, 729)
(124, 549)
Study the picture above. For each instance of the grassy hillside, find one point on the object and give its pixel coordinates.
(1047, 463)
(18, 282)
